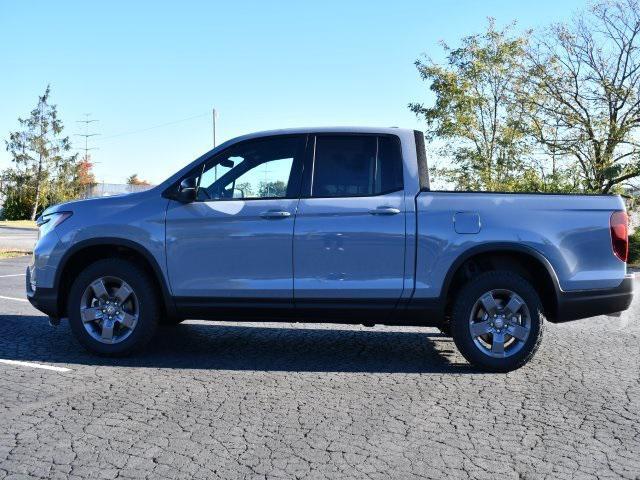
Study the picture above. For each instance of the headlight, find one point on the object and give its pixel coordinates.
(48, 222)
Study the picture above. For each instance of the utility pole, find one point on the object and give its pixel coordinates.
(86, 134)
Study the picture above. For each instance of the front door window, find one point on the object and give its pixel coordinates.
(259, 169)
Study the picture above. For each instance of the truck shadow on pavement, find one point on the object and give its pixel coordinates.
(239, 347)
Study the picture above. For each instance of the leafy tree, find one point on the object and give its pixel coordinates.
(582, 89)
(17, 203)
(272, 189)
(246, 188)
(134, 180)
(84, 173)
(476, 113)
(42, 171)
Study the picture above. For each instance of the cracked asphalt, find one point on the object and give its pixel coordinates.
(232, 400)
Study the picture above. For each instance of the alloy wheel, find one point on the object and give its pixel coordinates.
(109, 310)
(500, 323)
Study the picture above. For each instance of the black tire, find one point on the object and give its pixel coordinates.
(147, 300)
(462, 310)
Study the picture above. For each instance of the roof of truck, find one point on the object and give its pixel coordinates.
(301, 130)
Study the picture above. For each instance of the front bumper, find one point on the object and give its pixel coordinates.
(44, 299)
(591, 303)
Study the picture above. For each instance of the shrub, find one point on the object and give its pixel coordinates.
(16, 206)
(634, 248)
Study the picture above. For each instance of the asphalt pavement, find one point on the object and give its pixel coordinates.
(233, 400)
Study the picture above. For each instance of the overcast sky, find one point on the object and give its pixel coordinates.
(152, 71)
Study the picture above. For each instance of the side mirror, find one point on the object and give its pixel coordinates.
(187, 190)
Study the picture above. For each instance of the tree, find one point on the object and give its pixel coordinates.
(272, 189)
(134, 180)
(582, 88)
(475, 111)
(84, 173)
(40, 173)
(17, 204)
(245, 188)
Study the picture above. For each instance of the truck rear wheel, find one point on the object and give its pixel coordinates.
(497, 321)
(113, 308)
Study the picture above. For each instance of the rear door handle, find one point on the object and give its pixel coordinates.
(384, 211)
(274, 214)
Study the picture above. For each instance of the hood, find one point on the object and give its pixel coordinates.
(98, 201)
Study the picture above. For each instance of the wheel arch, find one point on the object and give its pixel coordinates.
(88, 251)
(523, 259)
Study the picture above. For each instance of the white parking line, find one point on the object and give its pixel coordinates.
(34, 365)
(13, 298)
(14, 275)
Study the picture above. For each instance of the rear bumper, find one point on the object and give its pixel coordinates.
(44, 299)
(591, 303)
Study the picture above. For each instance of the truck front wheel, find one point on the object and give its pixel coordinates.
(113, 308)
(497, 321)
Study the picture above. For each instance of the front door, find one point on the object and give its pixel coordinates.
(349, 239)
(235, 241)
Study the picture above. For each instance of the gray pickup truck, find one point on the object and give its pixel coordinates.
(330, 225)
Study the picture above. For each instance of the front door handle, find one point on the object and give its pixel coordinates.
(274, 214)
(384, 211)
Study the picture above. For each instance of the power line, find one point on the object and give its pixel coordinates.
(131, 132)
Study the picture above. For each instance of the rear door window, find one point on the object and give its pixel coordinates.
(356, 165)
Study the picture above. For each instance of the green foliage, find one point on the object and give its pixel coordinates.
(19, 199)
(476, 113)
(582, 92)
(272, 189)
(634, 248)
(16, 206)
(559, 111)
(42, 172)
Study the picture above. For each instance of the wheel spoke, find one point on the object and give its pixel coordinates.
(128, 320)
(480, 328)
(109, 309)
(107, 330)
(123, 293)
(518, 331)
(489, 303)
(497, 344)
(99, 289)
(90, 314)
(515, 302)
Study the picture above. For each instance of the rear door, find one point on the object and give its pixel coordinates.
(349, 235)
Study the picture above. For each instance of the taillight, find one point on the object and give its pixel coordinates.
(619, 224)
